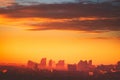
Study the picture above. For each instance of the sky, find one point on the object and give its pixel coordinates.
(58, 31)
(27, 2)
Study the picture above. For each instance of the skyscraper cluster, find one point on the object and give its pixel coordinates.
(81, 66)
(43, 65)
(60, 65)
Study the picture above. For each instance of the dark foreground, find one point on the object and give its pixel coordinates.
(20, 73)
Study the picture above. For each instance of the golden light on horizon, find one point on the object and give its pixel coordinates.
(18, 45)
(53, 44)
(72, 39)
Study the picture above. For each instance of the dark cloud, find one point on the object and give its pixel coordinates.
(118, 38)
(96, 25)
(68, 11)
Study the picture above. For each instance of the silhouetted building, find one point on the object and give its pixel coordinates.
(90, 62)
(72, 67)
(105, 68)
(82, 65)
(60, 65)
(32, 65)
(43, 64)
(85, 65)
(51, 65)
(118, 66)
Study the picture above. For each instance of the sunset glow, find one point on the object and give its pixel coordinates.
(29, 34)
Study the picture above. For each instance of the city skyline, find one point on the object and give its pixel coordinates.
(82, 65)
(48, 62)
(70, 31)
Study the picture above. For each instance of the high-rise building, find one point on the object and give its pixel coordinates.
(51, 64)
(43, 64)
(43, 61)
(60, 65)
(118, 66)
(32, 65)
(72, 67)
(90, 62)
(83, 65)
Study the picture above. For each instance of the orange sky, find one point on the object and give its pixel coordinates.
(19, 45)
(25, 36)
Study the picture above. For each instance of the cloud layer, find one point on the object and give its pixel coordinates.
(71, 16)
(4, 3)
(61, 11)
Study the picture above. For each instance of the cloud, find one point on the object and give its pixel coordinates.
(117, 38)
(4, 3)
(70, 10)
(43, 1)
(67, 16)
(96, 25)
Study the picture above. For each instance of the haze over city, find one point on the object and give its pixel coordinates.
(59, 39)
(71, 30)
